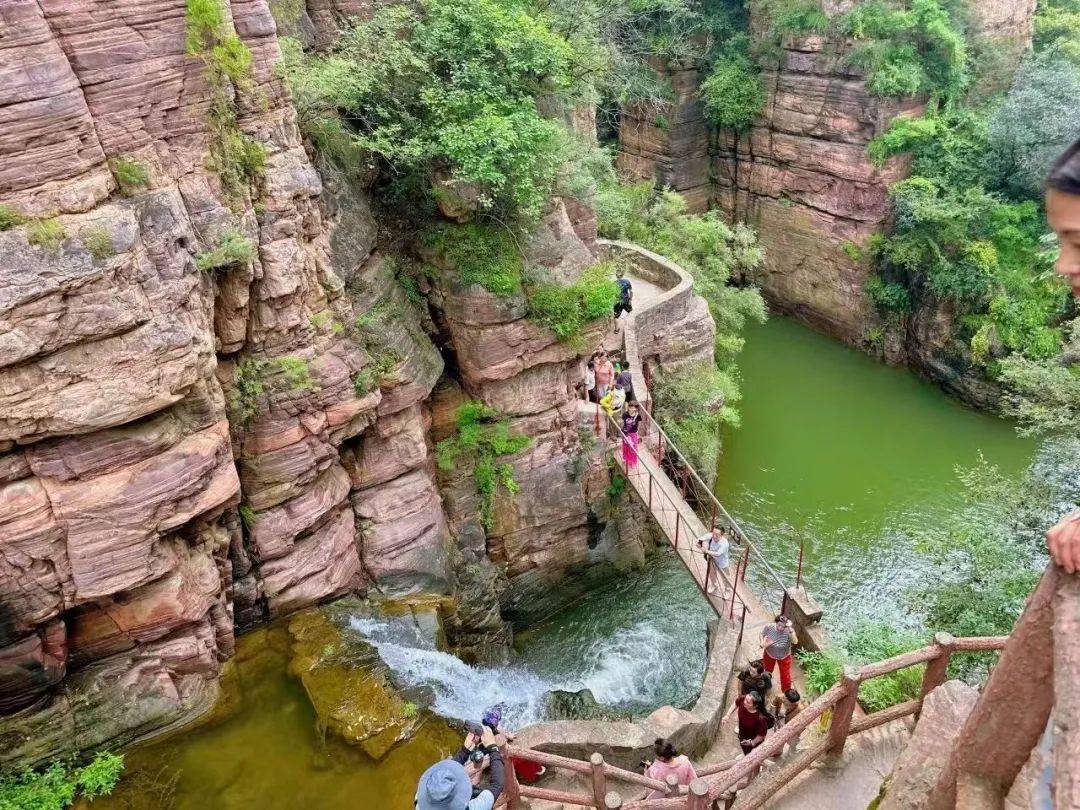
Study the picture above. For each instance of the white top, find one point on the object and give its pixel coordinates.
(717, 547)
(590, 379)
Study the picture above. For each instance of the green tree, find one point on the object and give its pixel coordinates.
(1034, 123)
(452, 89)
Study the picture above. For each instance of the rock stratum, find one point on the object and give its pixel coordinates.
(187, 451)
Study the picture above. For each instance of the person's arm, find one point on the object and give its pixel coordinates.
(731, 711)
(497, 769)
(462, 756)
(794, 638)
(1063, 542)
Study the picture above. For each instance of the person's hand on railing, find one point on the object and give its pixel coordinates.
(1063, 542)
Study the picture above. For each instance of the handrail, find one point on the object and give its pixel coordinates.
(839, 699)
(733, 585)
(721, 510)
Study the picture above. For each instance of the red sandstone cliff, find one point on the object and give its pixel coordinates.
(142, 518)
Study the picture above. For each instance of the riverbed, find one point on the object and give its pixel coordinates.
(836, 450)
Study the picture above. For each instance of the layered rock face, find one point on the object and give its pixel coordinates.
(121, 548)
(552, 527)
(185, 449)
(802, 177)
(669, 143)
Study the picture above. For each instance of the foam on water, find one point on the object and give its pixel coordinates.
(627, 668)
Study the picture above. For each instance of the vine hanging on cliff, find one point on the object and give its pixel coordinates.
(237, 159)
(482, 437)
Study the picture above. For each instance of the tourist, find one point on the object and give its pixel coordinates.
(755, 679)
(613, 401)
(718, 551)
(669, 760)
(625, 381)
(754, 721)
(590, 381)
(604, 374)
(1063, 214)
(777, 640)
(630, 439)
(784, 708)
(447, 785)
(626, 295)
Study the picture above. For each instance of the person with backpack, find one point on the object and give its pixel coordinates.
(755, 679)
(447, 785)
(624, 303)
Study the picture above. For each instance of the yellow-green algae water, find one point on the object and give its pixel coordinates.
(835, 448)
(267, 753)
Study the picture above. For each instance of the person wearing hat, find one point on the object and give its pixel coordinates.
(777, 640)
(446, 785)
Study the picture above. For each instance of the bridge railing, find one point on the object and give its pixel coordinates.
(710, 510)
(721, 781)
(659, 502)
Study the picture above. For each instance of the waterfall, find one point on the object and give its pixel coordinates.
(627, 670)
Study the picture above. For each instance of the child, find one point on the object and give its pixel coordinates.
(785, 707)
(612, 402)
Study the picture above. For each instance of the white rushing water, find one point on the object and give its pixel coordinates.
(628, 667)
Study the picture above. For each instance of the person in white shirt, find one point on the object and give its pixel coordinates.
(717, 550)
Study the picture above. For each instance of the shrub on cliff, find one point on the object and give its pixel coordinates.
(58, 785)
(481, 438)
(908, 47)
(1034, 123)
(480, 254)
(733, 93)
(691, 403)
(1057, 28)
(567, 309)
(453, 89)
(1044, 395)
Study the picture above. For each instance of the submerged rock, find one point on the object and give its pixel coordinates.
(348, 686)
(580, 705)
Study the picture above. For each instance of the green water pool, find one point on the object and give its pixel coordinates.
(835, 449)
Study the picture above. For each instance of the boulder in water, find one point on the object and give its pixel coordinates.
(580, 705)
(348, 685)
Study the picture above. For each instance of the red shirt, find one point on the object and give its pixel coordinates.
(751, 724)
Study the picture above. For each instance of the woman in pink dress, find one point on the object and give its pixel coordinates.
(668, 760)
(630, 421)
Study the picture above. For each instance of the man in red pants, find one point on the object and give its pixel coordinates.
(777, 639)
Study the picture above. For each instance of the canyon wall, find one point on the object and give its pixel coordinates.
(802, 178)
(124, 558)
(800, 175)
(190, 447)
